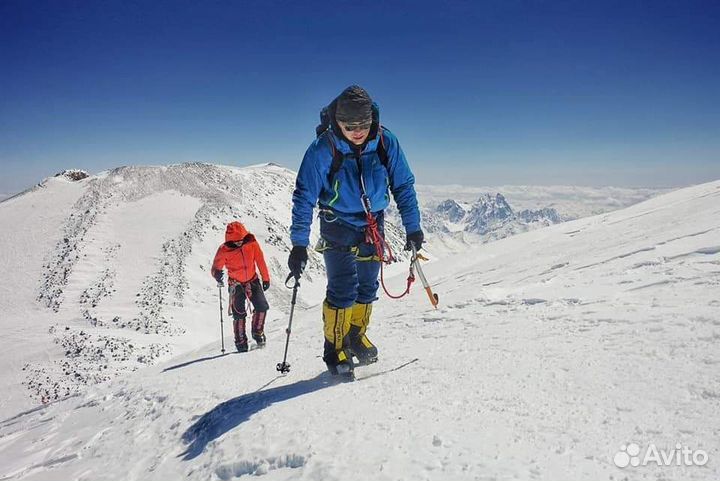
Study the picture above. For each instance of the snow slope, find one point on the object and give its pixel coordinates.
(110, 273)
(550, 350)
(29, 227)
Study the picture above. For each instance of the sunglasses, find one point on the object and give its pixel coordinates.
(356, 126)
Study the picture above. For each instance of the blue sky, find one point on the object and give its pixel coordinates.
(479, 93)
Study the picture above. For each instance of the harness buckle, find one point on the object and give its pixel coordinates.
(328, 215)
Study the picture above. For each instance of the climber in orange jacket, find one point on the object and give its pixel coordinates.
(241, 254)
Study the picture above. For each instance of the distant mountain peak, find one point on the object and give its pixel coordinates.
(545, 214)
(490, 216)
(451, 210)
(495, 202)
(487, 212)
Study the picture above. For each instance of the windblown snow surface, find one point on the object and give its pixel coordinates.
(550, 351)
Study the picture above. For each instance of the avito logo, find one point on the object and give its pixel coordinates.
(630, 455)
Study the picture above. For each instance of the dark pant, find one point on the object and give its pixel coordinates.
(352, 271)
(238, 294)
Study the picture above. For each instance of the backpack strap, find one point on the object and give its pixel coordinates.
(381, 151)
(337, 160)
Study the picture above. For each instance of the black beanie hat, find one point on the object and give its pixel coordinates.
(354, 105)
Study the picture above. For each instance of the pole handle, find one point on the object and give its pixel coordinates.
(294, 286)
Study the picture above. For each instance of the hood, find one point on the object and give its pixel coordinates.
(327, 121)
(235, 232)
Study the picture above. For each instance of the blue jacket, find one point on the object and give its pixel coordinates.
(344, 196)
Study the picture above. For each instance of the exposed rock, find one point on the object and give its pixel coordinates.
(73, 174)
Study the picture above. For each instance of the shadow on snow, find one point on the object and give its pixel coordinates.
(229, 414)
(207, 358)
(202, 359)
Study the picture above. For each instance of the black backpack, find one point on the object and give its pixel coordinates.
(326, 116)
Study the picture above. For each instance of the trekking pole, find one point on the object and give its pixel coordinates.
(283, 366)
(416, 262)
(222, 330)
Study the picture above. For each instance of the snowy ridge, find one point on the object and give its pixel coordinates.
(550, 350)
(116, 279)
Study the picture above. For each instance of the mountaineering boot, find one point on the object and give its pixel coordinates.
(359, 344)
(258, 326)
(259, 338)
(337, 362)
(336, 354)
(241, 342)
(242, 345)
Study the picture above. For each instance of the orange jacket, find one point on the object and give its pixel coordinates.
(240, 254)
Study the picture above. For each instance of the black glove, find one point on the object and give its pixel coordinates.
(297, 260)
(416, 238)
(219, 276)
(266, 285)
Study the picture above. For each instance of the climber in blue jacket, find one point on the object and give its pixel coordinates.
(348, 172)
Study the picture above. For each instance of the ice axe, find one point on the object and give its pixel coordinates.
(283, 366)
(416, 264)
